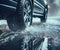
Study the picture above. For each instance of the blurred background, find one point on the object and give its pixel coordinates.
(54, 7)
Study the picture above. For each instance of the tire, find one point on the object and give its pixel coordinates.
(43, 20)
(27, 13)
(15, 23)
(44, 17)
(12, 23)
(18, 23)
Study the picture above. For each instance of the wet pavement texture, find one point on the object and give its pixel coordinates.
(50, 29)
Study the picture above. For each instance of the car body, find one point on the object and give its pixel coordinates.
(20, 12)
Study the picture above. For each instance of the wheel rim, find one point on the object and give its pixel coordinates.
(27, 13)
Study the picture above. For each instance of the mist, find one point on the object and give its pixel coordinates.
(54, 9)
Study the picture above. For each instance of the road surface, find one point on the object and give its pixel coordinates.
(50, 29)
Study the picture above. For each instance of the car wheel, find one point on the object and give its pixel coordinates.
(16, 23)
(27, 13)
(12, 23)
(44, 17)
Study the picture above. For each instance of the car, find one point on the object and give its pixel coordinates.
(20, 13)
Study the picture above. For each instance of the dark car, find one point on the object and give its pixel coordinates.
(19, 13)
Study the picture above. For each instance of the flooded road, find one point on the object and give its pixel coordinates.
(36, 34)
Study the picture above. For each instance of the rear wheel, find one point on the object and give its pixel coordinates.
(27, 13)
(44, 17)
